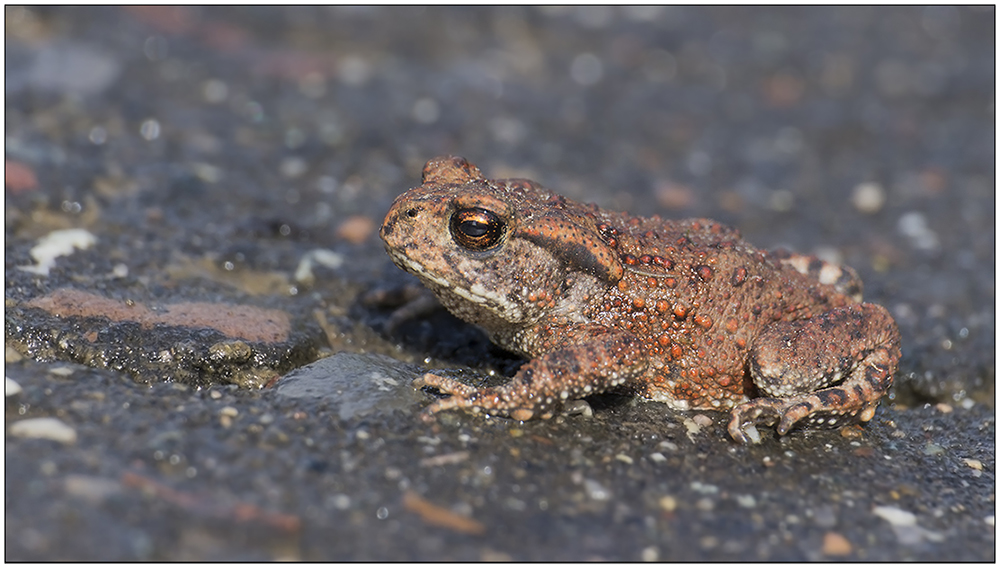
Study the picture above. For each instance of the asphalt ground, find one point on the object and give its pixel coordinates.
(201, 352)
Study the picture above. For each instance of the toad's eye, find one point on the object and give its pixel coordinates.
(477, 229)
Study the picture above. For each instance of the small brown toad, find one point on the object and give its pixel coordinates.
(683, 312)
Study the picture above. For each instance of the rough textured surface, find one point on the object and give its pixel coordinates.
(225, 156)
(683, 312)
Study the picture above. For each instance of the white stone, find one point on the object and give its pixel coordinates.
(896, 516)
(58, 243)
(868, 197)
(752, 433)
(47, 428)
(11, 387)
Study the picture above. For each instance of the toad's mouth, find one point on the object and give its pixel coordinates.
(458, 297)
(413, 267)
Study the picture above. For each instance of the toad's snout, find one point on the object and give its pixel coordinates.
(401, 215)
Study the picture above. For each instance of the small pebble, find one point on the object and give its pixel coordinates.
(595, 490)
(668, 445)
(12, 355)
(896, 516)
(322, 257)
(58, 243)
(340, 501)
(18, 177)
(226, 415)
(668, 503)
(944, 408)
(47, 428)
(834, 544)
(752, 433)
(11, 387)
(974, 464)
(91, 488)
(913, 225)
(704, 488)
(868, 197)
(692, 427)
(293, 167)
(851, 432)
(932, 449)
(356, 229)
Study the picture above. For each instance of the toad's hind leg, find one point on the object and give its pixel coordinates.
(823, 372)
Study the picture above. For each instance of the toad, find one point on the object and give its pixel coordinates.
(678, 311)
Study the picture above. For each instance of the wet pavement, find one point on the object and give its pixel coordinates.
(201, 352)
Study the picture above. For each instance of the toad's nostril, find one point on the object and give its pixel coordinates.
(412, 213)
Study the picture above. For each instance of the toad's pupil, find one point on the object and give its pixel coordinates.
(474, 229)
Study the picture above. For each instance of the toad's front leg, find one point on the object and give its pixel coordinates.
(823, 372)
(571, 370)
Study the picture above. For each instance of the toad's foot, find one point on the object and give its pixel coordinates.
(824, 409)
(472, 398)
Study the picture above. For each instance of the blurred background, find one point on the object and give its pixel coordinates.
(210, 150)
